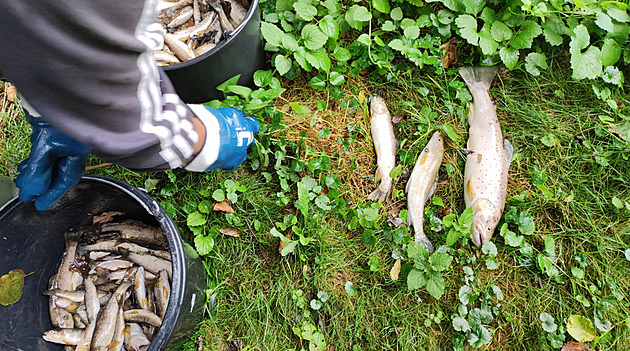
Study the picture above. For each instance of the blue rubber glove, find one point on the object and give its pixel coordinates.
(228, 135)
(56, 163)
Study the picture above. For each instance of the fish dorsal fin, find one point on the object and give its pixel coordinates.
(509, 152)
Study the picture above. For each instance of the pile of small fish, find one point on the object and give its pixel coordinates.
(487, 163)
(111, 289)
(194, 27)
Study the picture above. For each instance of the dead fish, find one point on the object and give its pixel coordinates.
(142, 316)
(138, 232)
(142, 250)
(237, 12)
(385, 144)
(76, 296)
(91, 300)
(140, 289)
(184, 15)
(486, 171)
(223, 19)
(204, 48)
(421, 185)
(111, 265)
(64, 274)
(67, 304)
(107, 317)
(65, 336)
(135, 340)
(164, 58)
(150, 263)
(161, 292)
(78, 323)
(119, 334)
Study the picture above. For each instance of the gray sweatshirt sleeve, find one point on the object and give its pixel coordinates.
(86, 67)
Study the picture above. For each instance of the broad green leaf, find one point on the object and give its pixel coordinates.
(313, 37)
(548, 324)
(487, 44)
(222, 87)
(303, 199)
(283, 64)
(415, 279)
(262, 79)
(526, 223)
(617, 13)
(319, 59)
(316, 304)
(474, 6)
(440, 261)
(581, 328)
(553, 30)
(205, 206)
(534, 60)
(587, 64)
(611, 52)
(329, 26)
(272, 34)
(289, 248)
(364, 39)
(417, 251)
(203, 244)
(240, 90)
(579, 40)
(396, 14)
(284, 5)
(357, 16)
(467, 25)
(305, 11)
(322, 202)
(464, 294)
(453, 5)
(445, 16)
(336, 78)
(349, 287)
(489, 248)
(407, 22)
(526, 34)
(435, 286)
(11, 287)
(604, 22)
(398, 44)
(195, 219)
(612, 75)
(460, 324)
(417, 3)
(342, 54)
(331, 5)
(289, 43)
(500, 32)
(300, 58)
(412, 32)
(381, 5)
(577, 272)
(492, 264)
(388, 26)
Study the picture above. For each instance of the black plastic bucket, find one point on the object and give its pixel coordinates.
(33, 241)
(241, 53)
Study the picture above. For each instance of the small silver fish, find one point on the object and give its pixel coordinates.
(107, 317)
(140, 289)
(64, 274)
(486, 171)
(185, 14)
(161, 292)
(385, 144)
(421, 185)
(142, 316)
(135, 340)
(150, 263)
(65, 336)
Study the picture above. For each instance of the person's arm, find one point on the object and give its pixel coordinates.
(86, 68)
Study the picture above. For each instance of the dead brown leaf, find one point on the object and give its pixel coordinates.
(283, 243)
(223, 206)
(451, 54)
(106, 216)
(395, 271)
(233, 232)
(575, 346)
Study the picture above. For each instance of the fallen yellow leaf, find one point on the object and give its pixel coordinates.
(233, 232)
(395, 271)
(223, 206)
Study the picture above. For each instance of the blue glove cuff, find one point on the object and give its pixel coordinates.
(228, 135)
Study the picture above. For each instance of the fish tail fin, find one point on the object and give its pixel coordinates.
(478, 76)
(422, 238)
(378, 195)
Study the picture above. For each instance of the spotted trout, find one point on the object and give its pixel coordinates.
(421, 185)
(385, 144)
(489, 157)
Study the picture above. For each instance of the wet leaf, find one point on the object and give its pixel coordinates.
(223, 206)
(581, 328)
(395, 271)
(11, 287)
(233, 232)
(106, 217)
(451, 54)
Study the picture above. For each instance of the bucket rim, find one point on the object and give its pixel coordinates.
(248, 16)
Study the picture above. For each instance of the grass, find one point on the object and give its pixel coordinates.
(554, 126)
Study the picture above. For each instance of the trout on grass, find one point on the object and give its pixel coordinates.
(421, 185)
(385, 144)
(485, 175)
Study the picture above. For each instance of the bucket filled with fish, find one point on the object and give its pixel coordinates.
(207, 42)
(105, 269)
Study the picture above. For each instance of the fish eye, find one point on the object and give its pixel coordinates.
(439, 139)
(489, 229)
